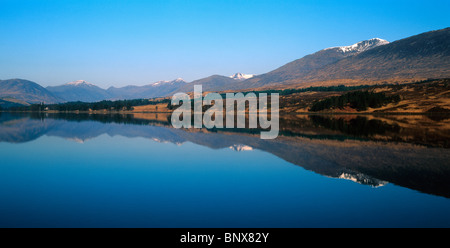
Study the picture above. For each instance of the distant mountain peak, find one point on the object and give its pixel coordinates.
(361, 46)
(241, 76)
(79, 90)
(178, 80)
(79, 83)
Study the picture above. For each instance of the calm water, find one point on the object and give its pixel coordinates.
(137, 171)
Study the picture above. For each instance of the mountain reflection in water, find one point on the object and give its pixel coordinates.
(407, 150)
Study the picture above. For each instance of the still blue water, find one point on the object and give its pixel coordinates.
(117, 181)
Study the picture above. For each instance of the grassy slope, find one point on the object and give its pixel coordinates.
(415, 98)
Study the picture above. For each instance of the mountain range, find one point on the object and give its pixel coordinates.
(422, 56)
(160, 88)
(300, 68)
(418, 57)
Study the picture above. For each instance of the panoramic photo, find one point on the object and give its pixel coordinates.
(224, 114)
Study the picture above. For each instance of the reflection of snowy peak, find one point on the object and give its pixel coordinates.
(78, 140)
(240, 148)
(362, 179)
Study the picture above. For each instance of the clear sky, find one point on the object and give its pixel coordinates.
(139, 42)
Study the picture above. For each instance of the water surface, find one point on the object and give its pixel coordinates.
(137, 171)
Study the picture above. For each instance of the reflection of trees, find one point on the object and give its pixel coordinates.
(360, 126)
(103, 118)
(319, 127)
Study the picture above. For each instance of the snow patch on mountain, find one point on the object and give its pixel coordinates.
(159, 83)
(241, 76)
(79, 83)
(361, 46)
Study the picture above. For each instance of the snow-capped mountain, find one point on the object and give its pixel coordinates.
(216, 82)
(421, 56)
(299, 69)
(361, 46)
(176, 81)
(241, 76)
(157, 89)
(79, 83)
(79, 90)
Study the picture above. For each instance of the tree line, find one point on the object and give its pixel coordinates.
(129, 104)
(87, 106)
(359, 100)
(338, 88)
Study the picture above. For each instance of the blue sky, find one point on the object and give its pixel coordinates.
(139, 42)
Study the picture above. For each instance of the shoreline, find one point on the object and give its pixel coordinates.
(281, 113)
